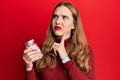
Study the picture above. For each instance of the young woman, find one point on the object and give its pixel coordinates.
(66, 54)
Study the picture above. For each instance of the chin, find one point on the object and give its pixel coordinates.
(58, 34)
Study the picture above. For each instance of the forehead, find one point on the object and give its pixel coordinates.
(62, 10)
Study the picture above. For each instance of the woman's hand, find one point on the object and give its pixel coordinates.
(31, 55)
(60, 48)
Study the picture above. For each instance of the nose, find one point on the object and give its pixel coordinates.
(58, 21)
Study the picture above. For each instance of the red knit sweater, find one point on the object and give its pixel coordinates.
(67, 71)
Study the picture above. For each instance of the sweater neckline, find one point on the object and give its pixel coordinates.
(65, 42)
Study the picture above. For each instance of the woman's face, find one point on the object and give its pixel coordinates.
(62, 22)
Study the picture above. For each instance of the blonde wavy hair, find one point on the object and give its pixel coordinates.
(77, 48)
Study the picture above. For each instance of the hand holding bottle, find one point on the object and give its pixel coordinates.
(31, 54)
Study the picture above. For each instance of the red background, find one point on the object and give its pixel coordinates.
(21, 20)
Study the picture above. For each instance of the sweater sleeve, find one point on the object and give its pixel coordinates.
(76, 74)
(32, 75)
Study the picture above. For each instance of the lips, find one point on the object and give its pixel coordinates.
(58, 28)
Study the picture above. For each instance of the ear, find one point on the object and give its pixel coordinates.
(73, 27)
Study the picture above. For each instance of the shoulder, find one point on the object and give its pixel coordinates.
(90, 50)
(91, 55)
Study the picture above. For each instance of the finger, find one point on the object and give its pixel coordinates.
(28, 50)
(32, 57)
(29, 54)
(27, 59)
(35, 58)
(63, 38)
(55, 52)
(54, 45)
(35, 55)
(38, 54)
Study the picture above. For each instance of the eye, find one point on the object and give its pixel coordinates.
(65, 17)
(55, 16)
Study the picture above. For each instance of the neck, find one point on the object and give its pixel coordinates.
(66, 36)
(67, 39)
(60, 37)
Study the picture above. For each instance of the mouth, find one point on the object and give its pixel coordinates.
(58, 28)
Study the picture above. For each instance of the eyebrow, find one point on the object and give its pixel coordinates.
(60, 15)
(55, 15)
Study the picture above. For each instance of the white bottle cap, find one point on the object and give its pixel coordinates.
(30, 42)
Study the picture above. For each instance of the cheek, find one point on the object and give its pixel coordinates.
(67, 30)
(53, 24)
(69, 27)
